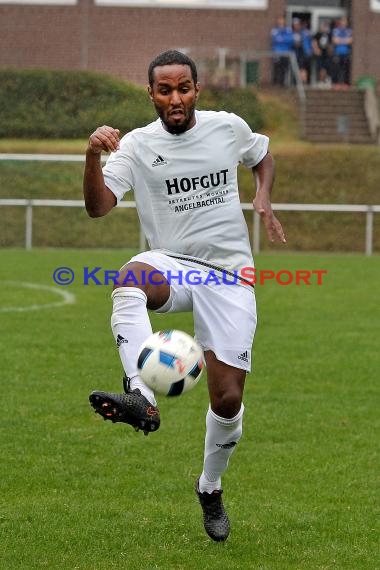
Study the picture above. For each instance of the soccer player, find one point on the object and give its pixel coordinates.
(183, 170)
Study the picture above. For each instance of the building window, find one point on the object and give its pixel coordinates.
(226, 4)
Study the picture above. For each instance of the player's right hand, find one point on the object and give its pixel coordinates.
(104, 138)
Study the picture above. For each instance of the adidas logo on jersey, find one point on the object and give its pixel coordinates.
(159, 161)
(243, 356)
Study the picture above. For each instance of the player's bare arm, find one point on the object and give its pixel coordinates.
(99, 199)
(264, 175)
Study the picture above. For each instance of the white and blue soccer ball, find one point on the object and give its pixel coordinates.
(170, 362)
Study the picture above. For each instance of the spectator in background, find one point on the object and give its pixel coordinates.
(342, 49)
(282, 42)
(303, 49)
(322, 50)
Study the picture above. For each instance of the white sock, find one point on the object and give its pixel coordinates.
(131, 326)
(222, 435)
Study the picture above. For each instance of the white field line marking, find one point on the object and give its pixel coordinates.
(66, 297)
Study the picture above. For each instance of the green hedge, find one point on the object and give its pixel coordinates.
(40, 103)
(67, 104)
(243, 102)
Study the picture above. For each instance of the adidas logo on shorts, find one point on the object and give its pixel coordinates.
(120, 340)
(226, 445)
(243, 356)
(159, 161)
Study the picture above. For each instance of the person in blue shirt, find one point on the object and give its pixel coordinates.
(303, 49)
(282, 43)
(342, 45)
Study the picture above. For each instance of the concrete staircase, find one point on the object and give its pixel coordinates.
(336, 116)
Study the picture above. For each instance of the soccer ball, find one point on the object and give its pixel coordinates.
(170, 362)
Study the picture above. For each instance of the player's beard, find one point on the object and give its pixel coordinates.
(177, 128)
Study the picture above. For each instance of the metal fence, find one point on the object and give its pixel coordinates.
(29, 204)
(368, 210)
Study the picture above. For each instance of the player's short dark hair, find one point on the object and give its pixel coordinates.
(172, 57)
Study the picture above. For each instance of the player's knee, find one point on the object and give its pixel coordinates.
(228, 403)
(142, 276)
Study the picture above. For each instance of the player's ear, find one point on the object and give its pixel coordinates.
(150, 92)
(197, 89)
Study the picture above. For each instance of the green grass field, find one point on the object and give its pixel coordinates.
(302, 489)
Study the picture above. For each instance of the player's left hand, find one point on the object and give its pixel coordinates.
(272, 224)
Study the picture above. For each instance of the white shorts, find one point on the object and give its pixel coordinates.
(224, 314)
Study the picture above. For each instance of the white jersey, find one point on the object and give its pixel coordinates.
(186, 188)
